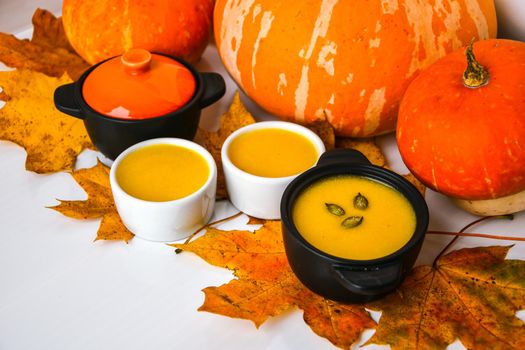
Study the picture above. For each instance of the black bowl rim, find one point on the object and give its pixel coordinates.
(372, 172)
(84, 106)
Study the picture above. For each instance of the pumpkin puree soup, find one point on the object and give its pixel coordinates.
(272, 152)
(354, 218)
(161, 173)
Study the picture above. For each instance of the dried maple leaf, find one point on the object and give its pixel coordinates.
(324, 130)
(471, 294)
(48, 31)
(368, 147)
(340, 323)
(47, 52)
(52, 139)
(266, 285)
(235, 118)
(374, 154)
(417, 184)
(100, 204)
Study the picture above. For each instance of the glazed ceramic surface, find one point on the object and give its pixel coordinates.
(345, 279)
(138, 85)
(112, 135)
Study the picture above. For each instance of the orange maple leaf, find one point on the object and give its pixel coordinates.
(471, 294)
(48, 31)
(29, 118)
(266, 286)
(100, 204)
(47, 52)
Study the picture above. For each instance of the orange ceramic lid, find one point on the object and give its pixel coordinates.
(138, 85)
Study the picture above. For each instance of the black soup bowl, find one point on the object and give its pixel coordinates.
(113, 135)
(343, 279)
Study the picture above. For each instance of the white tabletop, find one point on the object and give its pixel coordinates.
(61, 290)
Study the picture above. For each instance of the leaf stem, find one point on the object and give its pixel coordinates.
(461, 233)
(482, 235)
(231, 217)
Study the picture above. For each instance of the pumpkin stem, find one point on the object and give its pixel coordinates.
(475, 75)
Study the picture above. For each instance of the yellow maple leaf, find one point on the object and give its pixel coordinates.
(29, 118)
(100, 204)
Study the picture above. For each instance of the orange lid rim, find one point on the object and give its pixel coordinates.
(199, 91)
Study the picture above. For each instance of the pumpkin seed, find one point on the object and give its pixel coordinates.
(352, 221)
(335, 209)
(360, 202)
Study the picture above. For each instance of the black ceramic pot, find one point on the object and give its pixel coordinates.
(344, 279)
(112, 136)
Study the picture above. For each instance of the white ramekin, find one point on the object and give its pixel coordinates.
(170, 220)
(258, 196)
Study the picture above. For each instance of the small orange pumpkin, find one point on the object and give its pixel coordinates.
(465, 137)
(99, 29)
(351, 60)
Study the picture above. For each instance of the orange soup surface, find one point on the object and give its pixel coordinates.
(272, 152)
(162, 172)
(378, 223)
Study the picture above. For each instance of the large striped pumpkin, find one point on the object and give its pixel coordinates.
(348, 60)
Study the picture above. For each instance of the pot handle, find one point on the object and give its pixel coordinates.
(65, 101)
(214, 88)
(342, 155)
(367, 282)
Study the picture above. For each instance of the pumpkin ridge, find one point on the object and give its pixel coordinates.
(106, 28)
(468, 143)
(337, 56)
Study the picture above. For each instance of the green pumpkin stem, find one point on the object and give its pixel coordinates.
(475, 75)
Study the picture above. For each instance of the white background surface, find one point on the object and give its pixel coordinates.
(61, 290)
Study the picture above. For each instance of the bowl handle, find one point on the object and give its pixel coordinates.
(342, 156)
(65, 101)
(368, 282)
(214, 89)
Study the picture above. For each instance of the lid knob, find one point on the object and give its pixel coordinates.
(136, 61)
